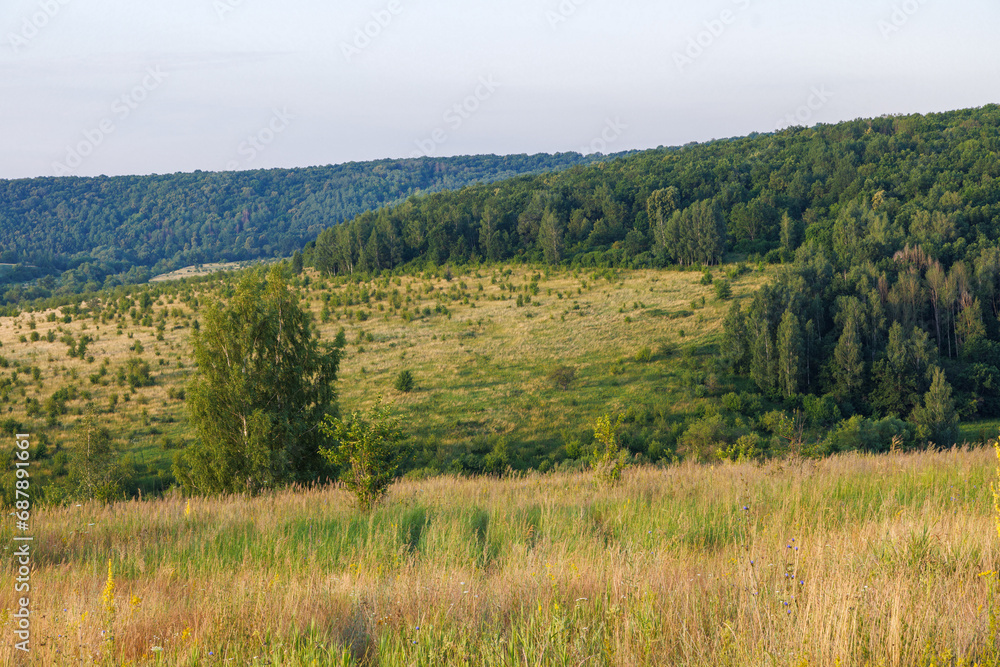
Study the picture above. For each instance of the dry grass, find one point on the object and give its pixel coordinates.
(854, 560)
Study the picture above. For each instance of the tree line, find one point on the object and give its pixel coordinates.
(862, 189)
(69, 235)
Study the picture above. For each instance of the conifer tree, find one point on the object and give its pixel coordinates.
(937, 418)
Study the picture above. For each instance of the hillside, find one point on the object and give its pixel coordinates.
(866, 318)
(887, 306)
(933, 178)
(483, 345)
(130, 227)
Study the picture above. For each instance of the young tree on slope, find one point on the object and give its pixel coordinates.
(264, 386)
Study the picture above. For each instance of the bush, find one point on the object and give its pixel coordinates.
(562, 376)
(498, 460)
(821, 410)
(746, 448)
(723, 290)
(608, 459)
(858, 433)
(705, 434)
(644, 355)
(366, 449)
(404, 381)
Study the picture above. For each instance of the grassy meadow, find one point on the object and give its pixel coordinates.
(852, 560)
(482, 347)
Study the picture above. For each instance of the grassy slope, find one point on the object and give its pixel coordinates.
(481, 372)
(852, 560)
(484, 371)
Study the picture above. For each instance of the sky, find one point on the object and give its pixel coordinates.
(112, 87)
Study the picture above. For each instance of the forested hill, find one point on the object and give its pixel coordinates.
(102, 226)
(862, 189)
(889, 229)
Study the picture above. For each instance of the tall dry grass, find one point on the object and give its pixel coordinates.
(853, 560)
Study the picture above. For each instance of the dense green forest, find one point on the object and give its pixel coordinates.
(69, 235)
(923, 180)
(887, 309)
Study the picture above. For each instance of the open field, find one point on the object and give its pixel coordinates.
(481, 361)
(482, 345)
(206, 269)
(852, 560)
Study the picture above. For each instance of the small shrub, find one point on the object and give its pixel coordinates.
(644, 355)
(498, 460)
(746, 448)
(404, 381)
(562, 376)
(366, 449)
(723, 290)
(609, 459)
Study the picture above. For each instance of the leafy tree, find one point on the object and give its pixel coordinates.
(937, 418)
(790, 350)
(367, 450)
(762, 354)
(735, 348)
(896, 383)
(659, 208)
(550, 237)
(562, 376)
(791, 233)
(848, 364)
(297, 262)
(95, 468)
(265, 383)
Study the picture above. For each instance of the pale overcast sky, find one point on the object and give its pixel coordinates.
(92, 87)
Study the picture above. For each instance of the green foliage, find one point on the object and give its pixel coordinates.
(137, 226)
(643, 355)
(705, 435)
(404, 381)
(136, 373)
(264, 385)
(859, 433)
(609, 458)
(723, 290)
(562, 376)
(95, 468)
(750, 447)
(498, 460)
(366, 448)
(790, 351)
(937, 418)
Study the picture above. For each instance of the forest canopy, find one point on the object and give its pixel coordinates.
(69, 235)
(863, 190)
